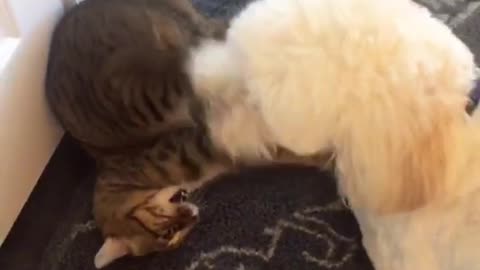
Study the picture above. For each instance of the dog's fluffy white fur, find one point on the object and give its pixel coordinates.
(380, 83)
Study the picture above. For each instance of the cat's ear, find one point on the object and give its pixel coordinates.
(111, 250)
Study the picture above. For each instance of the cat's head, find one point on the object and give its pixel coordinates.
(140, 222)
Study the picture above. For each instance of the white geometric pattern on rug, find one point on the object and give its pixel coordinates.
(302, 222)
(452, 12)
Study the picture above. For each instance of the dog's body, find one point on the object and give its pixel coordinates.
(384, 86)
(442, 236)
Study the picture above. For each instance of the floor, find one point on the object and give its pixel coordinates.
(23, 248)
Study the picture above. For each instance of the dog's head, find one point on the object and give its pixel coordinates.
(382, 84)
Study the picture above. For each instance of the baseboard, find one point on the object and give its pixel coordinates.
(28, 132)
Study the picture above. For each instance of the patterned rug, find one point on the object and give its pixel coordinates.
(264, 218)
(271, 218)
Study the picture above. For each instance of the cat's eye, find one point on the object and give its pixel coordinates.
(180, 196)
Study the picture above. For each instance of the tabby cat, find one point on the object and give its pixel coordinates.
(117, 82)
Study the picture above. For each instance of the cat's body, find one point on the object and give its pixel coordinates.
(117, 82)
(122, 62)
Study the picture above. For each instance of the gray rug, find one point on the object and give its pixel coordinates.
(272, 218)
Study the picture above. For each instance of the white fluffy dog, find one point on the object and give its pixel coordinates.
(384, 86)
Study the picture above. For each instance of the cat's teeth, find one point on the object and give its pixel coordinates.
(183, 195)
(169, 232)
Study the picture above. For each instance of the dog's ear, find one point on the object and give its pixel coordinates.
(423, 166)
(402, 160)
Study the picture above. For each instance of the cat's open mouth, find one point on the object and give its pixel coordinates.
(177, 234)
(176, 228)
(185, 221)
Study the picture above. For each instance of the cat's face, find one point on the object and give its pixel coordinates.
(159, 222)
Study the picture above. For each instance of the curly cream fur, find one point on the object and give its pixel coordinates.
(372, 80)
(380, 83)
(236, 125)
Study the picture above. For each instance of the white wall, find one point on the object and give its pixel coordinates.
(8, 28)
(28, 133)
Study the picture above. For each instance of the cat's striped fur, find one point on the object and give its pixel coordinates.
(116, 72)
(117, 82)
